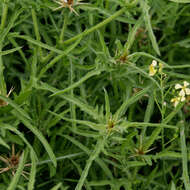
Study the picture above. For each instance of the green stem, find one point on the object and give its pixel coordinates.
(61, 158)
(157, 131)
(101, 24)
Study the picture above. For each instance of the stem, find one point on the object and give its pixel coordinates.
(157, 131)
(101, 24)
(60, 158)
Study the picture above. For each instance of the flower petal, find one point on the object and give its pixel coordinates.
(178, 86)
(176, 103)
(187, 91)
(154, 63)
(186, 83)
(152, 70)
(182, 93)
(182, 98)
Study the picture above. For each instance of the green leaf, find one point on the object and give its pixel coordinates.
(38, 135)
(9, 51)
(16, 107)
(76, 84)
(132, 34)
(173, 186)
(184, 155)
(107, 106)
(57, 58)
(32, 172)
(56, 187)
(97, 150)
(85, 107)
(180, 1)
(94, 126)
(5, 32)
(147, 20)
(128, 102)
(36, 42)
(3, 143)
(87, 151)
(13, 129)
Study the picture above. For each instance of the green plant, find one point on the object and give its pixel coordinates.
(101, 94)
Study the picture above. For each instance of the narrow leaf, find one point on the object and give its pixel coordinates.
(39, 135)
(15, 106)
(9, 51)
(180, 1)
(57, 186)
(87, 151)
(128, 102)
(85, 107)
(76, 84)
(184, 155)
(32, 172)
(147, 20)
(98, 148)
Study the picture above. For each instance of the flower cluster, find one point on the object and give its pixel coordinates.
(182, 94)
(153, 68)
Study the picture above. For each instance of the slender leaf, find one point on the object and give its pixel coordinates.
(56, 187)
(146, 15)
(98, 148)
(128, 102)
(76, 84)
(32, 172)
(184, 156)
(6, 52)
(180, 1)
(39, 135)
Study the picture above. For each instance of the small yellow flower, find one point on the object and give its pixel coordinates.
(184, 90)
(152, 70)
(175, 100)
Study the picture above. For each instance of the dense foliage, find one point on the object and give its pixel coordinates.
(94, 94)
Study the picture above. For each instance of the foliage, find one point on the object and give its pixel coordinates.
(101, 94)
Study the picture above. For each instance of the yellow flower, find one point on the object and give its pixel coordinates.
(184, 90)
(183, 93)
(152, 70)
(176, 100)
